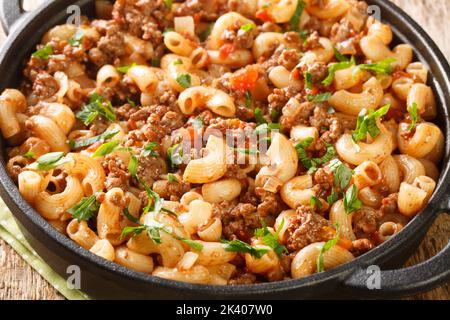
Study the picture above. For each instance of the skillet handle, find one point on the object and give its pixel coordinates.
(10, 12)
(402, 282)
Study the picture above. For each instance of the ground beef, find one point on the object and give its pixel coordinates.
(109, 47)
(157, 121)
(238, 221)
(150, 168)
(389, 204)
(172, 191)
(292, 114)
(305, 228)
(289, 58)
(366, 220)
(318, 71)
(117, 173)
(45, 86)
(323, 182)
(341, 31)
(334, 132)
(240, 39)
(327, 123)
(204, 9)
(142, 18)
(243, 278)
(312, 42)
(271, 203)
(361, 246)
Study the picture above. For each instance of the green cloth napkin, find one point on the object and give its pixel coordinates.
(10, 232)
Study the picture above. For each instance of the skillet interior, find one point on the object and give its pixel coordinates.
(103, 279)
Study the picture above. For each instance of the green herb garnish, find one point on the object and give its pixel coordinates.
(336, 67)
(351, 200)
(85, 209)
(96, 107)
(367, 123)
(243, 247)
(414, 115)
(106, 148)
(77, 38)
(327, 246)
(44, 53)
(49, 161)
(125, 69)
(318, 98)
(184, 80)
(81, 143)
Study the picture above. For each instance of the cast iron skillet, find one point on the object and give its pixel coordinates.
(102, 279)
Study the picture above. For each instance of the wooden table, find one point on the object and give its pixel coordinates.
(20, 281)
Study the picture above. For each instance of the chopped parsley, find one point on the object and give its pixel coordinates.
(168, 3)
(175, 155)
(315, 203)
(156, 63)
(367, 123)
(266, 128)
(270, 239)
(133, 165)
(248, 27)
(351, 200)
(318, 98)
(248, 99)
(339, 56)
(77, 38)
(29, 154)
(95, 108)
(85, 209)
(205, 33)
(184, 80)
(106, 148)
(171, 177)
(333, 197)
(414, 115)
(129, 216)
(380, 68)
(259, 116)
(341, 175)
(177, 62)
(149, 150)
(327, 246)
(81, 143)
(308, 80)
(125, 69)
(312, 163)
(294, 23)
(49, 161)
(243, 247)
(44, 53)
(336, 67)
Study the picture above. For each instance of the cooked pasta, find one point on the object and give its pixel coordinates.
(250, 141)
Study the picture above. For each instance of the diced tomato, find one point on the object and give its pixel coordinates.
(132, 124)
(226, 50)
(197, 18)
(313, 91)
(264, 16)
(244, 80)
(343, 242)
(296, 74)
